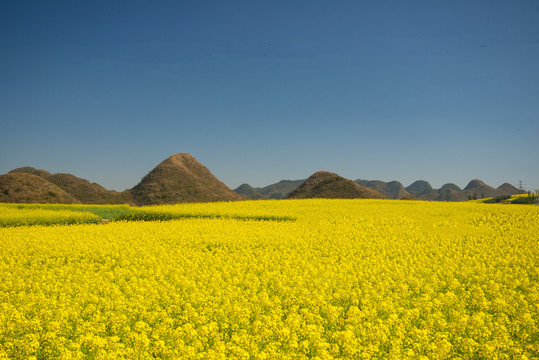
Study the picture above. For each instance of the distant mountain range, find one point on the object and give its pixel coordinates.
(391, 190)
(181, 178)
(419, 190)
(279, 190)
(476, 189)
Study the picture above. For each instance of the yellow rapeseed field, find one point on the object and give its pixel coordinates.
(301, 279)
(18, 215)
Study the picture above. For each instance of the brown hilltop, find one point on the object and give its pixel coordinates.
(181, 178)
(419, 187)
(508, 189)
(474, 184)
(479, 189)
(325, 184)
(31, 170)
(24, 187)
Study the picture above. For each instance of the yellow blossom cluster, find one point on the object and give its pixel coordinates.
(22, 214)
(337, 279)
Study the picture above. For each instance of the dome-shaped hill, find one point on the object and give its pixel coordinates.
(474, 184)
(181, 178)
(478, 189)
(245, 189)
(281, 189)
(23, 187)
(325, 184)
(419, 187)
(508, 189)
(450, 186)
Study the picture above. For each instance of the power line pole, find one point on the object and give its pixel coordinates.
(520, 185)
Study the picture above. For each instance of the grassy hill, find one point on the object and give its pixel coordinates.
(81, 189)
(325, 184)
(181, 178)
(24, 187)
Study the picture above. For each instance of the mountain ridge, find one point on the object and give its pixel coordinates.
(391, 190)
(276, 191)
(181, 178)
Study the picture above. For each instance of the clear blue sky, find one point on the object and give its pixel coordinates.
(259, 91)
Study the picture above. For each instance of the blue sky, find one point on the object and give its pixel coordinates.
(260, 91)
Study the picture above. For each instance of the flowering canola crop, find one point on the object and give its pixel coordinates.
(301, 279)
(17, 215)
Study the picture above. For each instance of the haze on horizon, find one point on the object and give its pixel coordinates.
(260, 92)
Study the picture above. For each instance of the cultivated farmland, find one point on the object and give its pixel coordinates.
(290, 279)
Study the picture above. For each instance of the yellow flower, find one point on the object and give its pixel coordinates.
(348, 279)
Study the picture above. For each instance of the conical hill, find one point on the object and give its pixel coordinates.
(181, 178)
(325, 184)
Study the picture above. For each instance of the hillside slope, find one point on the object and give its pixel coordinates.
(22, 187)
(181, 178)
(325, 184)
(419, 187)
(81, 189)
(87, 192)
(508, 189)
(478, 189)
